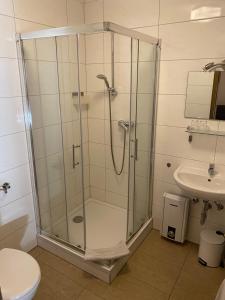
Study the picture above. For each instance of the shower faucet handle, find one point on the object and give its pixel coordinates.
(4, 188)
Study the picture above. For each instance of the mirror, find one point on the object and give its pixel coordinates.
(205, 96)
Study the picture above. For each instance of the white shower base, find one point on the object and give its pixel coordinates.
(106, 225)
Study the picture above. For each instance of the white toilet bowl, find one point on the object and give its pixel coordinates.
(19, 275)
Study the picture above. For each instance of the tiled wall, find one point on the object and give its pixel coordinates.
(17, 222)
(105, 184)
(192, 33)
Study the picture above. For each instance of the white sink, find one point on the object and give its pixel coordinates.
(196, 182)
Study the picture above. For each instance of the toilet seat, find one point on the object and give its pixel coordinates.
(19, 274)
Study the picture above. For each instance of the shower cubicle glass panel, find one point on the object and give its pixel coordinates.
(91, 100)
(143, 64)
(51, 69)
(142, 193)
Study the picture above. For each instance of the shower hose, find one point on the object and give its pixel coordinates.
(117, 171)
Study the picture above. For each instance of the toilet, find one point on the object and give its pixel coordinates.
(19, 275)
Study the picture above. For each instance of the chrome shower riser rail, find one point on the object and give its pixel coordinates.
(86, 29)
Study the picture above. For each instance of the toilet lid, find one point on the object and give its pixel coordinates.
(19, 273)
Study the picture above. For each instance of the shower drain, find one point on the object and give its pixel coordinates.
(78, 219)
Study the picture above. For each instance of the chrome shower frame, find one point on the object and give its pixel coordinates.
(106, 272)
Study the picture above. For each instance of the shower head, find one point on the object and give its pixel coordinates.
(212, 66)
(103, 77)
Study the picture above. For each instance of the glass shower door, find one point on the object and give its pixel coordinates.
(52, 79)
(144, 133)
(41, 68)
(70, 85)
(141, 139)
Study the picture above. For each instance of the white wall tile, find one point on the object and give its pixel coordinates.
(96, 105)
(146, 77)
(11, 116)
(93, 11)
(165, 173)
(7, 37)
(94, 41)
(50, 109)
(116, 200)
(125, 12)
(46, 49)
(122, 76)
(55, 167)
(184, 42)
(48, 77)
(75, 11)
(97, 154)
(157, 214)
(9, 78)
(145, 108)
(33, 86)
(51, 12)
(120, 106)
(23, 238)
(15, 215)
(29, 50)
(13, 151)
(26, 26)
(142, 167)
(19, 179)
(174, 141)
(35, 106)
(67, 108)
(97, 177)
(53, 145)
(122, 49)
(98, 194)
(117, 184)
(118, 155)
(167, 115)
(117, 133)
(161, 187)
(94, 84)
(174, 75)
(143, 133)
(39, 143)
(68, 135)
(176, 11)
(96, 130)
(41, 173)
(6, 7)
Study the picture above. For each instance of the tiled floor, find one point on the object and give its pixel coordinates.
(158, 270)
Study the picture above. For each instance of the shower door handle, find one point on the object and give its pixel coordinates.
(135, 155)
(136, 149)
(74, 161)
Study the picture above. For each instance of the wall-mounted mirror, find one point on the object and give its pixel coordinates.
(205, 96)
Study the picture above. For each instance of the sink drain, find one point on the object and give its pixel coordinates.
(78, 219)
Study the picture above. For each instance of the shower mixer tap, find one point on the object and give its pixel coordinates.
(125, 124)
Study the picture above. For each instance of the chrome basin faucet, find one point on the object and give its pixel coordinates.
(211, 169)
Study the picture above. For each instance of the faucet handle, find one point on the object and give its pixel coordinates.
(5, 187)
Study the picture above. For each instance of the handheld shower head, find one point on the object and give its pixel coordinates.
(208, 66)
(214, 66)
(103, 77)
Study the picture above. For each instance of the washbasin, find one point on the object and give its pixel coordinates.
(196, 182)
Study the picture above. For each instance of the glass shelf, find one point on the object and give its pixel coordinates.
(206, 131)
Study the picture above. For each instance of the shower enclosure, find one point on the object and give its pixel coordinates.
(89, 99)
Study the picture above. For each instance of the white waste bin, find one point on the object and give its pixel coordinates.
(211, 248)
